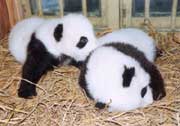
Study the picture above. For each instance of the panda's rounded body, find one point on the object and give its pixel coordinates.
(134, 37)
(20, 36)
(112, 75)
(50, 43)
(59, 36)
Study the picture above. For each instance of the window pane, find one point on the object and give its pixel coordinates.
(178, 8)
(50, 7)
(94, 8)
(33, 5)
(72, 6)
(160, 8)
(138, 8)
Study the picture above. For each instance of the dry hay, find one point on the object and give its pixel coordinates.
(60, 101)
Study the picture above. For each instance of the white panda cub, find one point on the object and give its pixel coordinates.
(132, 36)
(54, 42)
(20, 36)
(78, 37)
(120, 76)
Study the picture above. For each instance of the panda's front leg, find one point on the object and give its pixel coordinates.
(37, 63)
(34, 67)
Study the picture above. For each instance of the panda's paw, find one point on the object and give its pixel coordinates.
(100, 105)
(27, 90)
(158, 95)
(26, 93)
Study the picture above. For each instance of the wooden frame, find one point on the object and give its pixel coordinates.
(14, 11)
(99, 21)
(115, 14)
(4, 22)
(108, 17)
(163, 23)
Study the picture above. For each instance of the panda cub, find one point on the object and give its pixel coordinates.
(134, 37)
(49, 43)
(120, 76)
(20, 36)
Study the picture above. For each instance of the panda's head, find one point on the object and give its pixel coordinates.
(71, 35)
(78, 38)
(50, 33)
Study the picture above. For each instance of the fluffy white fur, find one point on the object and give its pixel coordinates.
(133, 36)
(104, 80)
(20, 36)
(74, 27)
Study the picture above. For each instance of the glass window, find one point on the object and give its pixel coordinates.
(72, 6)
(50, 7)
(94, 8)
(178, 8)
(160, 8)
(34, 8)
(138, 8)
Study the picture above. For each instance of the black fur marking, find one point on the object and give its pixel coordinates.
(128, 75)
(64, 58)
(82, 79)
(143, 92)
(159, 52)
(76, 64)
(100, 105)
(156, 81)
(82, 42)
(67, 60)
(58, 32)
(38, 62)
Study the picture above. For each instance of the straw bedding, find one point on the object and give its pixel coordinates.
(60, 101)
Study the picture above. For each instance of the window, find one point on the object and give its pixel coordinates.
(50, 7)
(138, 8)
(33, 6)
(72, 6)
(94, 8)
(160, 8)
(178, 8)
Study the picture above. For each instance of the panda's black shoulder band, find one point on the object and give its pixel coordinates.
(82, 79)
(156, 81)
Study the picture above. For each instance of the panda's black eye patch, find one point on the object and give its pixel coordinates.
(58, 32)
(82, 42)
(128, 75)
(143, 92)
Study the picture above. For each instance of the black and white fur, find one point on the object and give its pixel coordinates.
(120, 76)
(134, 37)
(20, 37)
(47, 44)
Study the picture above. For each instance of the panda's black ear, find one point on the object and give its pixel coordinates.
(58, 32)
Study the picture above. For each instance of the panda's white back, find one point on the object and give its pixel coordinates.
(104, 80)
(133, 36)
(20, 36)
